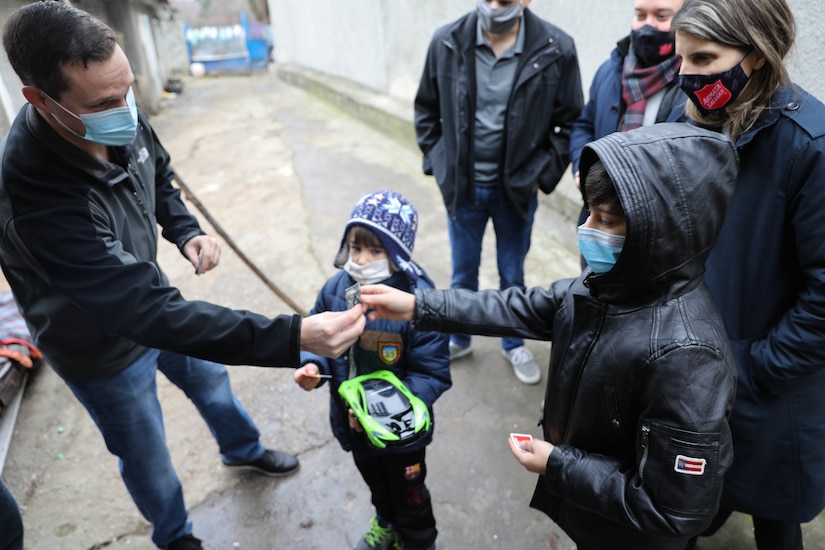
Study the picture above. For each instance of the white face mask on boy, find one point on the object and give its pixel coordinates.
(368, 274)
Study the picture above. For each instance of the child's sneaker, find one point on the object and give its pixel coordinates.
(378, 537)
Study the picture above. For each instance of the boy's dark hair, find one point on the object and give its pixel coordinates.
(43, 37)
(598, 188)
(363, 236)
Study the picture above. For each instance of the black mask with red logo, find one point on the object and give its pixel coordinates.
(651, 46)
(711, 92)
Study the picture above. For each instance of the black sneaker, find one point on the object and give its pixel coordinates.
(186, 542)
(272, 463)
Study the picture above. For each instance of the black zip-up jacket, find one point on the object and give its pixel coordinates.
(642, 378)
(78, 246)
(545, 101)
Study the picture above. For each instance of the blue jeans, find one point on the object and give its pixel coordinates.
(126, 409)
(512, 243)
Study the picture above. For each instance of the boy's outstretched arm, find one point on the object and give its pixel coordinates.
(387, 302)
(330, 333)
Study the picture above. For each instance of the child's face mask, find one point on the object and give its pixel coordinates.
(599, 249)
(368, 274)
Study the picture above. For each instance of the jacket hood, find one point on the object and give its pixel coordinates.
(674, 182)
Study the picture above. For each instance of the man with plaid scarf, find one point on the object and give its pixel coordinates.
(637, 86)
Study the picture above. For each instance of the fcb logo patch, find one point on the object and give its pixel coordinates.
(690, 465)
(412, 472)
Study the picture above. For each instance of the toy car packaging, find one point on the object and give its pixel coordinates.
(389, 413)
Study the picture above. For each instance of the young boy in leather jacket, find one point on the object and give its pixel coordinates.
(641, 379)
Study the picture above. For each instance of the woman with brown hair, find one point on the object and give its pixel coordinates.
(767, 269)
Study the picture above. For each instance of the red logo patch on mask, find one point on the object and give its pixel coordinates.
(666, 49)
(714, 96)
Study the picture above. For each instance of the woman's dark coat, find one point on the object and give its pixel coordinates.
(767, 275)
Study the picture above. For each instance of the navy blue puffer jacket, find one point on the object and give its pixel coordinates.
(420, 359)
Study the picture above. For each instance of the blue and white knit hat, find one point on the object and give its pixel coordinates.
(394, 221)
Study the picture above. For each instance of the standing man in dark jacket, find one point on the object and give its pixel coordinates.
(642, 377)
(499, 93)
(84, 183)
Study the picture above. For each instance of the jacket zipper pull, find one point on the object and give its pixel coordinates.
(645, 449)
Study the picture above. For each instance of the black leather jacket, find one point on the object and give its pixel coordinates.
(642, 378)
(545, 102)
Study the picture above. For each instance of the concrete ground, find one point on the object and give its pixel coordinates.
(280, 171)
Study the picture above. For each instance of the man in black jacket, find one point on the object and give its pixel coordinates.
(84, 183)
(498, 96)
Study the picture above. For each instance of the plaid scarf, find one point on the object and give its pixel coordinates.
(639, 83)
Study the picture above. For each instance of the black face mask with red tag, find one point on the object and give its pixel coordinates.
(651, 46)
(711, 92)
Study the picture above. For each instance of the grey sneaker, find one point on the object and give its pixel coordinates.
(524, 366)
(457, 352)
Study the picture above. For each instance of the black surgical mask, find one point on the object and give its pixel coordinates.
(711, 92)
(651, 45)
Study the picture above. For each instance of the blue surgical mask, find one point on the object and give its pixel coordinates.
(497, 20)
(116, 126)
(599, 249)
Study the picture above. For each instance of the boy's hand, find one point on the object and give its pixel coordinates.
(532, 455)
(388, 302)
(330, 333)
(307, 376)
(353, 422)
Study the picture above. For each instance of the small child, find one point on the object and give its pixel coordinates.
(376, 247)
(641, 379)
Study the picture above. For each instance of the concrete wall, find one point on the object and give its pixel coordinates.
(381, 43)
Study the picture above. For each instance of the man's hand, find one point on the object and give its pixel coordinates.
(203, 251)
(330, 333)
(388, 302)
(532, 455)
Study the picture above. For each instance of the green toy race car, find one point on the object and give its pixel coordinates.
(389, 413)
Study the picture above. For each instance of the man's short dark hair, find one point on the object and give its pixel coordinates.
(598, 188)
(43, 37)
